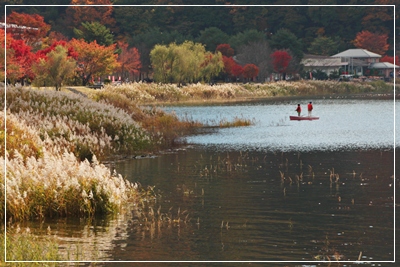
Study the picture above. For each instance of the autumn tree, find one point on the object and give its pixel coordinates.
(237, 71)
(102, 12)
(393, 60)
(228, 65)
(55, 68)
(226, 50)
(250, 71)
(3, 54)
(280, 61)
(31, 28)
(19, 61)
(94, 59)
(379, 16)
(373, 42)
(211, 66)
(94, 31)
(129, 60)
(70, 50)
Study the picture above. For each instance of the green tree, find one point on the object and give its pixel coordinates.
(285, 39)
(132, 20)
(249, 17)
(212, 37)
(188, 62)
(160, 60)
(146, 41)
(324, 46)
(211, 66)
(245, 38)
(54, 69)
(94, 31)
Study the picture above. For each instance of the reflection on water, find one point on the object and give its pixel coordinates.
(277, 191)
(268, 206)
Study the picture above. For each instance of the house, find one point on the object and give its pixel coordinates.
(323, 63)
(384, 69)
(358, 62)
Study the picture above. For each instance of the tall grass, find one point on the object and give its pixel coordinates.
(164, 93)
(237, 122)
(78, 124)
(163, 128)
(52, 142)
(22, 245)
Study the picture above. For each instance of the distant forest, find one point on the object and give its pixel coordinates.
(189, 22)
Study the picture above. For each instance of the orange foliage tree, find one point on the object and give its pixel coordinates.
(78, 14)
(94, 59)
(129, 60)
(250, 71)
(373, 42)
(31, 28)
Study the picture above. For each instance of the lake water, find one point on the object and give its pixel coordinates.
(344, 124)
(279, 190)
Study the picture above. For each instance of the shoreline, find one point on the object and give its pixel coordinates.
(205, 102)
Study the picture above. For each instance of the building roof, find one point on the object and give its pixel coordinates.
(15, 26)
(320, 61)
(357, 53)
(383, 65)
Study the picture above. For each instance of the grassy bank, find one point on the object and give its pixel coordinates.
(146, 93)
(53, 144)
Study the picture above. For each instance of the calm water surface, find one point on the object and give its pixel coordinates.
(278, 190)
(343, 124)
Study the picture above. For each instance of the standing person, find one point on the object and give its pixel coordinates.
(298, 109)
(310, 108)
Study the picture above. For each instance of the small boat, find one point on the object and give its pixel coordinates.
(303, 118)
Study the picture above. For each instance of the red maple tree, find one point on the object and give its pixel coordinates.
(280, 61)
(19, 60)
(228, 64)
(393, 60)
(237, 70)
(71, 52)
(373, 42)
(30, 28)
(226, 50)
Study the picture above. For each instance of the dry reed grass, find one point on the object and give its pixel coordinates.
(165, 93)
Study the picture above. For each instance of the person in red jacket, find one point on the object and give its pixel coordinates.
(310, 108)
(298, 109)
